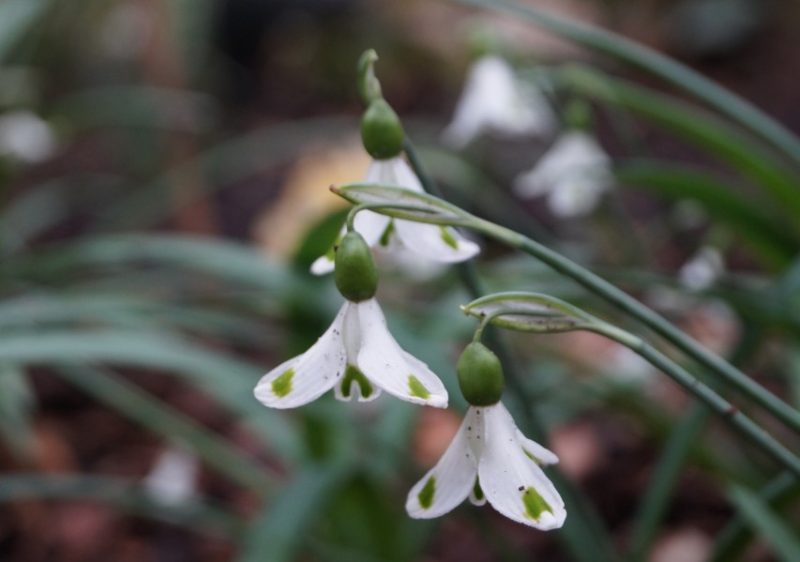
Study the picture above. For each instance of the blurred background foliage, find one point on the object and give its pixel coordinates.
(163, 175)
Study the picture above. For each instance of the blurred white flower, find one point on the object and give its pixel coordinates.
(26, 137)
(424, 241)
(573, 173)
(173, 478)
(493, 100)
(702, 270)
(490, 460)
(359, 356)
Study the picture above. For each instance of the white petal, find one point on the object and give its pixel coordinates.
(371, 226)
(385, 363)
(308, 376)
(322, 265)
(394, 171)
(538, 454)
(438, 243)
(449, 482)
(514, 485)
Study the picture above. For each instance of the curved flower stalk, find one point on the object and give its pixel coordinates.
(573, 174)
(490, 460)
(493, 100)
(357, 355)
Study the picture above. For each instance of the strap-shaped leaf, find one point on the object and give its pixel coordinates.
(403, 203)
(530, 312)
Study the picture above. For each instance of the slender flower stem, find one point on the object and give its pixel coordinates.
(599, 286)
(717, 403)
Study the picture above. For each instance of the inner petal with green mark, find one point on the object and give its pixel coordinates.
(477, 491)
(448, 238)
(535, 504)
(387, 234)
(427, 492)
(416, 388)
(282, 385)
(353, 374)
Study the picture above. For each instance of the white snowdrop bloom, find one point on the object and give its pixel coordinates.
(173, 477)
(573, 173)
(493, 100)
(490, 460)
(358, 356)
(702, 270)
(436, 243)
(26, 137)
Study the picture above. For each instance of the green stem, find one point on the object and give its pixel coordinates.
(584, 535)
(728, 103)
(717, 403)
(599, 286)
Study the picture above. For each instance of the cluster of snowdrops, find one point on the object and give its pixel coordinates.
(489, 459)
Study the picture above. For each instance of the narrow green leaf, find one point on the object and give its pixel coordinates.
(781, 537)
(17, 402)
(283, 526)
(680, 75)
(159, 417)
(228, 380)
(120, 494)
(16, 19)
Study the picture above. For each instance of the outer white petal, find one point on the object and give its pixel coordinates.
(322, 265)
(449, 482)
(308, 376)
(540, 455)
(514, 485)
(385, 363)
(394, 171)
(438, 243)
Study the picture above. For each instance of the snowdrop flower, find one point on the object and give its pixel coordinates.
(357, 355)
(431, 242)
(494, 100)
(702, 270)
(26, 137)
(574, 174)
(173, 477)
(489, 459)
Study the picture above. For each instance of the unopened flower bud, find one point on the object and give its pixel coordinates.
(381, 131)
(480, 375)
(356, 275)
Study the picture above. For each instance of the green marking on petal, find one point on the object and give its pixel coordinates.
(477, 491)
(283, 384)
(387, 234)
(351, 374)
(535, 504)
(448, 238)
(529, 455)
(417, 389)
(427, 492)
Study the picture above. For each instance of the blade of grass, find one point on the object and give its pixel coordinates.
(16, 18)
(762, 230)
(783, 539)
(695, 126)
(228, 380)
(734, 107)
(282, 527)
(157, 416)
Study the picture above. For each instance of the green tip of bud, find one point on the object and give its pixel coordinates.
(381, 131)
(578, 115)
(368, 85)
(356, 275)
(480, 375)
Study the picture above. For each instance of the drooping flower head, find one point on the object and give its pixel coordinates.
(382, 135)
(489, 459)
(495, 101)
(356, 355)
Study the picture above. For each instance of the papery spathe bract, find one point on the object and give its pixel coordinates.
(435, 243)
(490, 460)
(359, 357)
(494, 101)
(573, 174)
